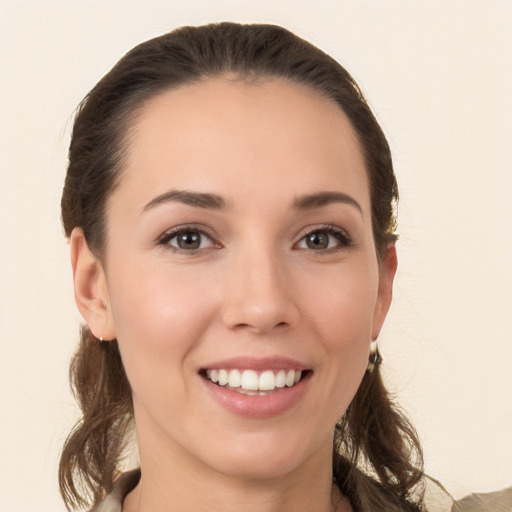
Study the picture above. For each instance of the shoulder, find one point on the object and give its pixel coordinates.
(500, 501)
(113, 502)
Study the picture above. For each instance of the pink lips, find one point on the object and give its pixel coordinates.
(258, 364)
(269, 404)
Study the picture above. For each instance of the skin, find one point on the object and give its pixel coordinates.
(253, 288)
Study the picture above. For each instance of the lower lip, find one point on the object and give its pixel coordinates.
(258, 406)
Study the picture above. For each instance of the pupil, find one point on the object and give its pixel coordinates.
(189, 241)
(318, 241)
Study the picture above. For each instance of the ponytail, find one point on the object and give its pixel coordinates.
(375, 438)
(92, 453)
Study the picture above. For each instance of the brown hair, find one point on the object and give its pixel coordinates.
(373, 437)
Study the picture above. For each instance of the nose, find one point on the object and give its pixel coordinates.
(259, 295)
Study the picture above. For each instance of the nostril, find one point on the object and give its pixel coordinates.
(241, 326)
(259, 327)
(259, 314)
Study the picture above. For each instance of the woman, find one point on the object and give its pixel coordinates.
(230, 208)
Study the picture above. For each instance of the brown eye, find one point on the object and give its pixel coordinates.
(188, 240)
(325, 239)
(317, 241)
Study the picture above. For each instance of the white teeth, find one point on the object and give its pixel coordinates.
(280, 379)
(235, 379)
(290, 378)
(223, 377)
(267, 381)
(248, 380)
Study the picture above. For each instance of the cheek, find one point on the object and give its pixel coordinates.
(342, 318)
(342, 305)
(158, 318)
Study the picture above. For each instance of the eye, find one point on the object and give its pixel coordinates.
(325, 239)
(187, 239)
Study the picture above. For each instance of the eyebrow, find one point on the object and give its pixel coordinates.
(197, 199)
(216, 202)
(319, 199)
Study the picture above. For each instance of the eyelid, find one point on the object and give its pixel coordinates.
(344, 237)
(164, 238)
(345, 240)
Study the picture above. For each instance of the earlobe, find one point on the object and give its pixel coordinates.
(90, 286)
(387, 271)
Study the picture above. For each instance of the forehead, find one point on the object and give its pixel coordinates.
(266, 134)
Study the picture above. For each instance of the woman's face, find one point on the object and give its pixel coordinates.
(239, 247)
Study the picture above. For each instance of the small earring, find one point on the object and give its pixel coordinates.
(374, 359)
(101, 339)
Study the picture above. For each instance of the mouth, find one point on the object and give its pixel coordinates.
(252, 382)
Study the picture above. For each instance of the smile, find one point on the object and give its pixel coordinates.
(251, 382)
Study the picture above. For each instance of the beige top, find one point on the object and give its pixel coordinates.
(437, 501)
(500, 501)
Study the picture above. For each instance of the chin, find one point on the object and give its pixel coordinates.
(266, 457)
(259, 469)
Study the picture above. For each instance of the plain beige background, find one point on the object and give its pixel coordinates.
(438, 75)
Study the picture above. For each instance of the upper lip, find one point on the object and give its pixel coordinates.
(256, 363)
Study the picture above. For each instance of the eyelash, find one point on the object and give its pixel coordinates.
(344, 240)
(181, 230)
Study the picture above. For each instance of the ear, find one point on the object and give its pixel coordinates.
(90, 285)
(387, 271)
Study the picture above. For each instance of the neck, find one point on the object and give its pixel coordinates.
(166, 485)
(149, 496)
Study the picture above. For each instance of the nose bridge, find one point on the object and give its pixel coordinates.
(258, 290)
